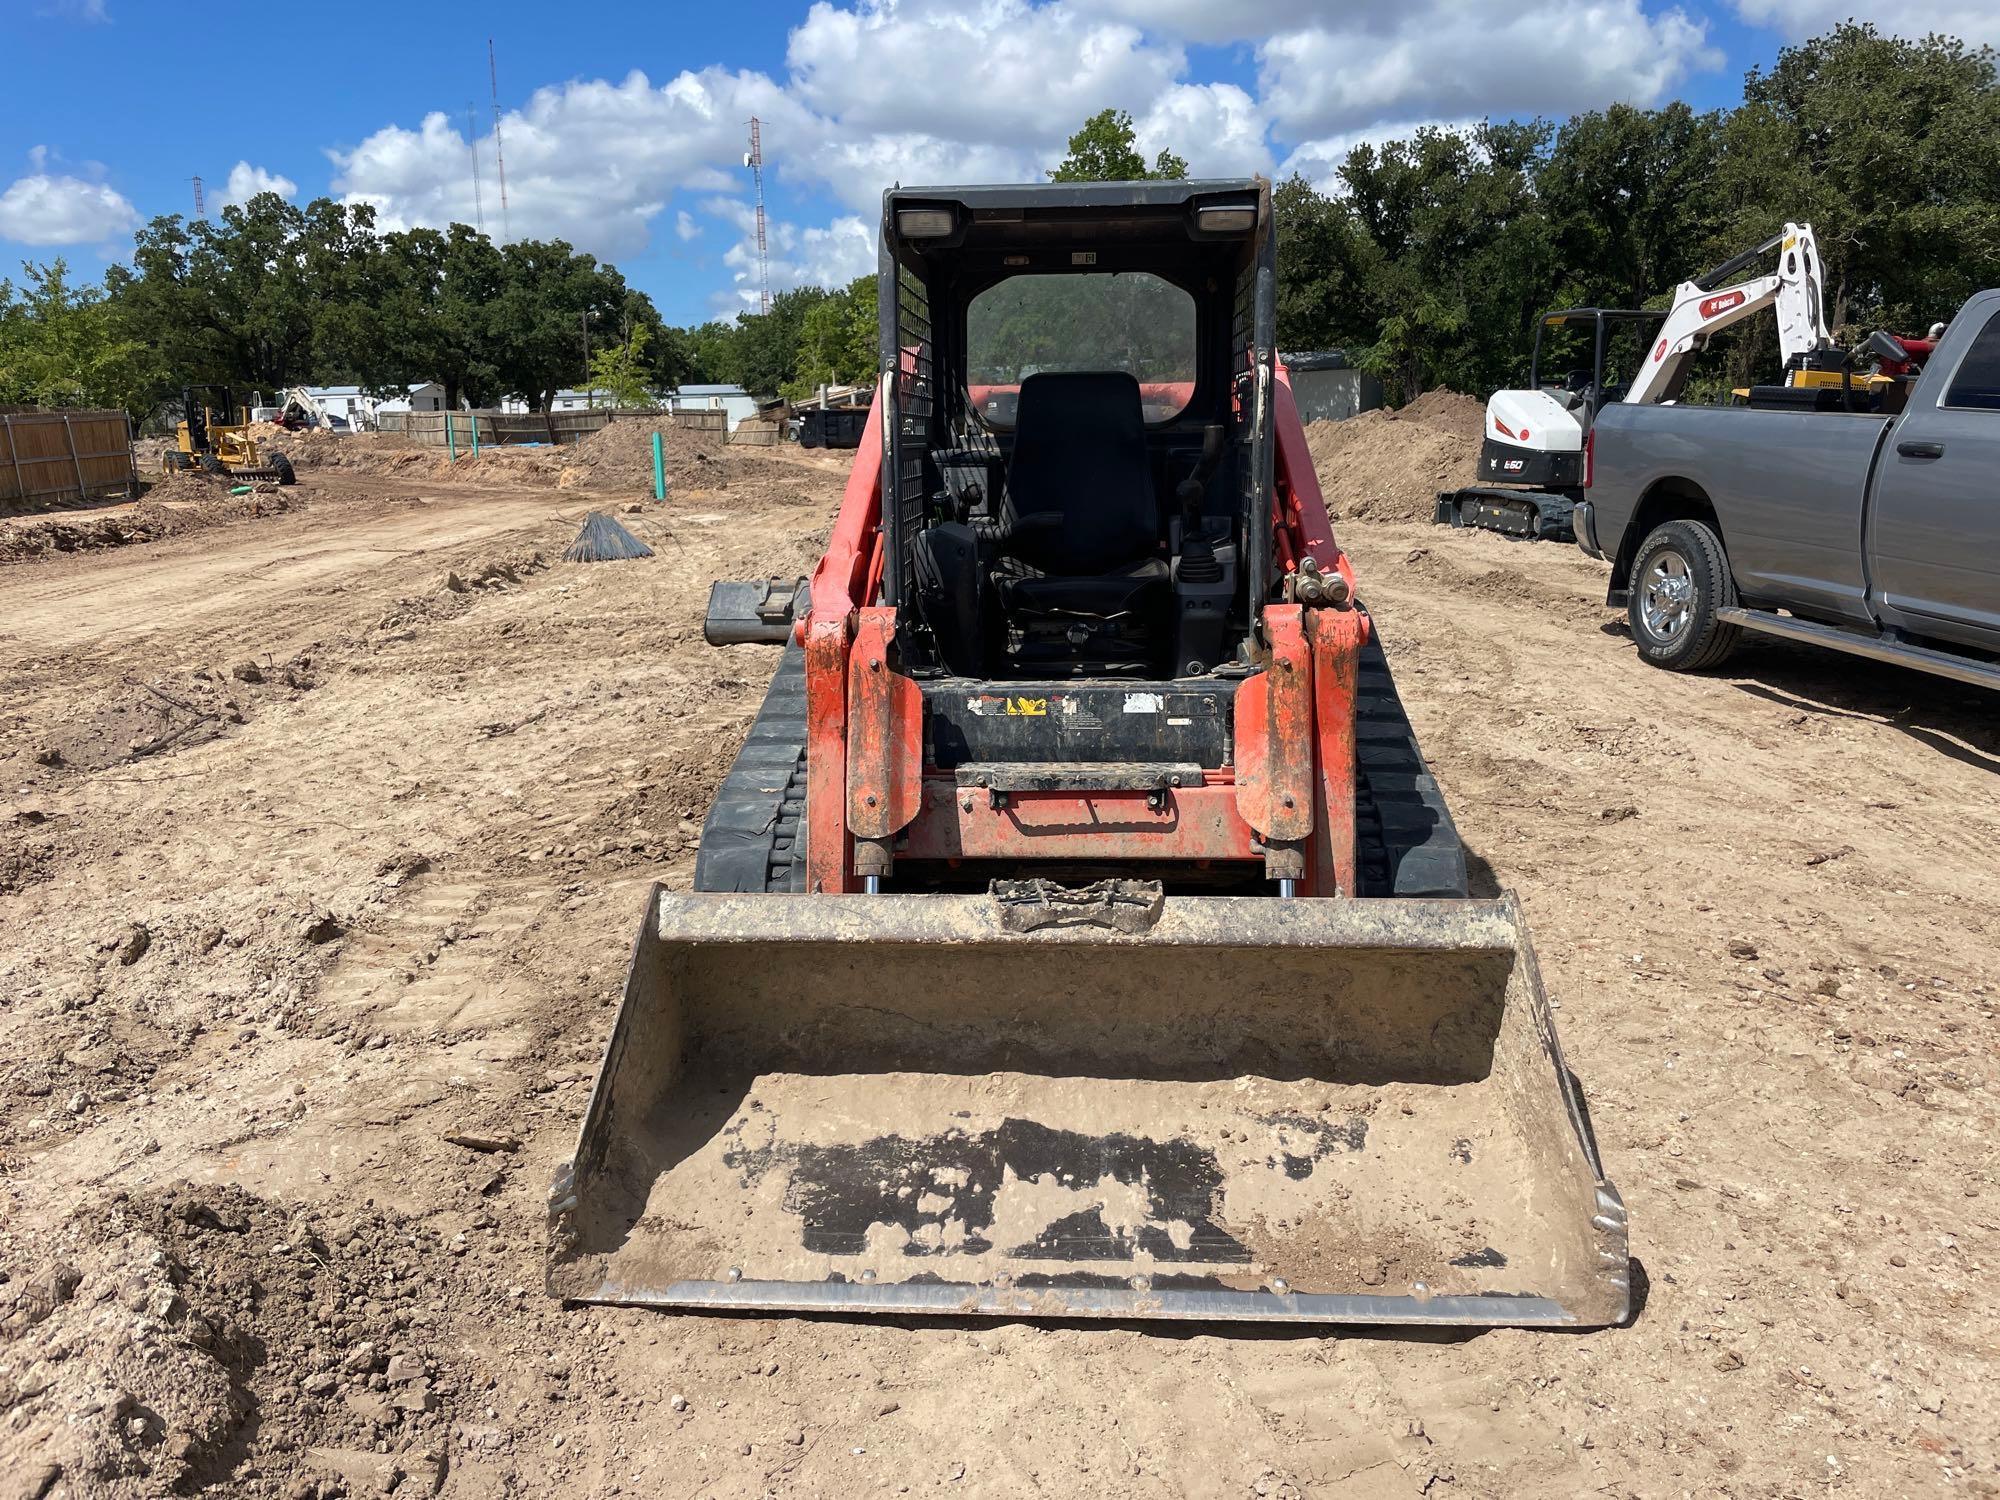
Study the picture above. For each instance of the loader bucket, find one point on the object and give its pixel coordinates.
(1251, 1109)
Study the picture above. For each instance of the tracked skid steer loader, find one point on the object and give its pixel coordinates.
(1079, 932)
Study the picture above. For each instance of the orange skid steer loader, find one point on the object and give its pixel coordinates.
(1079, 932)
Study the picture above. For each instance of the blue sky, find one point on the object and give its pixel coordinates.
(623, 122)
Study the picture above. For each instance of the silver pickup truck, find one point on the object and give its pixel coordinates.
(1873, 533)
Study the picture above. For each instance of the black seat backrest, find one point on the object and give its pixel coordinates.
(1080, 459)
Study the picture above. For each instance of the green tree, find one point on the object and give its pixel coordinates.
(60, 346)
(1323, 256)
(1106, 149)
(429, 314)
(621, 371)
(552, 298)
(837, 340)
(1633, 202)
(1454, 258)
(1891, 149)
(715, 356)
(768, 344)
(270, 295)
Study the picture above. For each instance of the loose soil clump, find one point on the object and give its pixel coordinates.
(203, 1335)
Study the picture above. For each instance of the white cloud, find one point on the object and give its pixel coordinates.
(49, 208)
(859, 168)
(1217, 127)
(1387, 59)
(1319, 161)
(590, 161)
(246, 182)
(883, 91)
(1005, 70)
(90, 11)
(1976, 21)
(829, 256)
(1212, 20)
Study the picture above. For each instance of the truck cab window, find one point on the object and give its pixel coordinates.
(1976, 383)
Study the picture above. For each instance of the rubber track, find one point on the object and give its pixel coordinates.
(1407, 843)
(752, 840)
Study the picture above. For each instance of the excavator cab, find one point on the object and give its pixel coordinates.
(1079, 932)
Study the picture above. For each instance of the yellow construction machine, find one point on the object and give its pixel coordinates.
(214, 435)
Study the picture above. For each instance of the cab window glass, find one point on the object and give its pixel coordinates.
(1976, 382)
(1128, 321)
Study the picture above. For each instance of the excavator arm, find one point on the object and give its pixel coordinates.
(1704, 308)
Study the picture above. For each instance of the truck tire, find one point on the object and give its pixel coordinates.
(1680, 578)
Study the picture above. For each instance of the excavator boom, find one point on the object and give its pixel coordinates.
(1702, 309)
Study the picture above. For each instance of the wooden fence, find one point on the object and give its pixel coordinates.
(697, 419)
(491, 429)
(51, 456)
(498, 428)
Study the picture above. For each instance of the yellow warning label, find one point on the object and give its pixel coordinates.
(1027, 708)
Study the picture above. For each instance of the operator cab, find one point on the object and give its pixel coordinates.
(1608, 336)
(1073, 487)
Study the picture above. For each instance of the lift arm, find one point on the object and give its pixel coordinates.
(1700, 311)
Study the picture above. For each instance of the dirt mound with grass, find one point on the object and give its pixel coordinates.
(1390, 465)
(618, 459)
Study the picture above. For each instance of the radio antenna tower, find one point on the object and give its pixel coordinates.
(499, 157)
(754, 160)
(200, 211)
(472, 144)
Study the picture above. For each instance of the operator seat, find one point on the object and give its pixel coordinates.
(1081, 549)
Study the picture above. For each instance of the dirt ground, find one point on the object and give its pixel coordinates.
(322, 840)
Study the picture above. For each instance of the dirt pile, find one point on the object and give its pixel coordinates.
(618, 458)
(174, 504)
(205, 1335)
(534, 464)
(1447, 411)
(1390, 465)
(317, 448)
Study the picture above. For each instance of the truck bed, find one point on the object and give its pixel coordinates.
(1791, 486)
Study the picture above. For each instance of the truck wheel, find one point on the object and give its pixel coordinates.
(1679, 580)
(282, 467)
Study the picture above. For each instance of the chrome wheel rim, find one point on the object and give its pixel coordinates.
(1666, 600)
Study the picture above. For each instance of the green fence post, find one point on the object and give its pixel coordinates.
(475, 434)
(450, 438)
(659, 468)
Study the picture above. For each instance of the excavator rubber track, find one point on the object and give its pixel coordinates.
(1531, 515)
